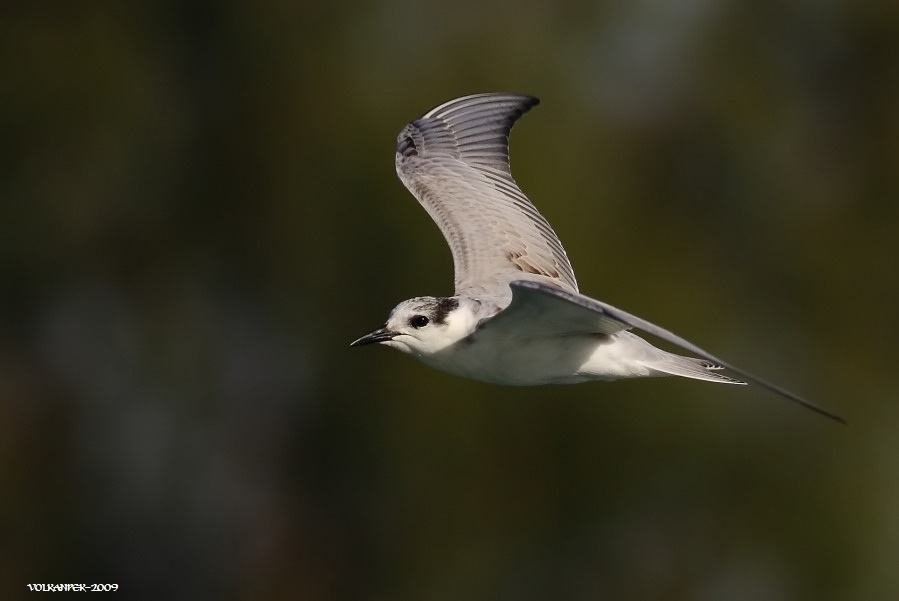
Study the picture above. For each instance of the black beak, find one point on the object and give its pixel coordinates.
(379, 335)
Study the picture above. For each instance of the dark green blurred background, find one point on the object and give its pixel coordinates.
(200, 212)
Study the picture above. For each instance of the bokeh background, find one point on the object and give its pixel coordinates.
(199, 211)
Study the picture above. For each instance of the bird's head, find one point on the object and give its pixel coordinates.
(423, 326)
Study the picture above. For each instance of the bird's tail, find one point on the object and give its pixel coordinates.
(690, 367)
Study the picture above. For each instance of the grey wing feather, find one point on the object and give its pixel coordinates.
(455, 161)
(579, 313)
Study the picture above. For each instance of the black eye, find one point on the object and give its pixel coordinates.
(418, 321)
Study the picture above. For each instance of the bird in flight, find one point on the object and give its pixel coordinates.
(516, 317)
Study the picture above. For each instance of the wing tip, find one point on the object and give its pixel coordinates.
(525, 102)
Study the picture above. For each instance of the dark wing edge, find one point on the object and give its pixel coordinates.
(632, 321)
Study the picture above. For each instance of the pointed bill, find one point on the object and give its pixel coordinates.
(382, 334)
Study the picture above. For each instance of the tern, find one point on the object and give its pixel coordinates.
(516, 317)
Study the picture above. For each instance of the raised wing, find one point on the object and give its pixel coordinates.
(455, 161)
(551, 311)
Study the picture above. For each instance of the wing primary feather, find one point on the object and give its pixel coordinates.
(650, 328)
(455, 161)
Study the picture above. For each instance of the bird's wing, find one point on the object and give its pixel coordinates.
(541, 310)
(455, 161)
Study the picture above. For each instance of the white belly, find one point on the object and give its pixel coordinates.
(561, 360)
